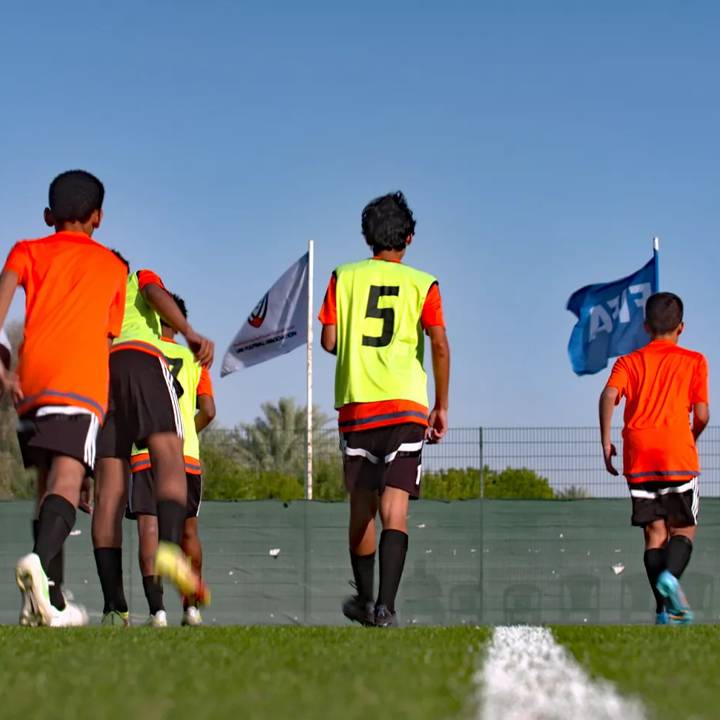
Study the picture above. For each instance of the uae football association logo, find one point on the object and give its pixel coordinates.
(257, 316)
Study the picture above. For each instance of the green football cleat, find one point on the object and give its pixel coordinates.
(115, 618)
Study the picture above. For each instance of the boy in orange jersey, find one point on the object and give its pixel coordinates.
(373, 317)
(663, 384)
(75, 296)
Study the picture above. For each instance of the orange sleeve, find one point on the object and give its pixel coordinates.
(328, 311)
(18, 261)
(148, 277)
(117, 308)
(205, 385)
(699, 387)
(432, 312)
(619, 378)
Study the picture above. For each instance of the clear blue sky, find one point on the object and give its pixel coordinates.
(540, 144)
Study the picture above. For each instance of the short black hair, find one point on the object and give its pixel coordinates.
(387, 222)
(121, 258)
(663, 312)
(74, 196)
(181, 304)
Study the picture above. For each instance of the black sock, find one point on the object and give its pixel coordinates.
(679, 550)
(56, 573)
(109, 568)
(655, 562)
(55, 521)
(364, 571)
(154, 593)
(171, 521)
(393, 548)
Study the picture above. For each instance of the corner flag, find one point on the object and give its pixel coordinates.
(610, 318)
(277, 324)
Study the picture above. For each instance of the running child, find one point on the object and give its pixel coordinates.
(75, 297)
(197, 407)
(144, 411)
(664, 387)
(373, 317)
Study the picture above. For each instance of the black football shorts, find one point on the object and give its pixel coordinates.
(384, 457)
(143, 401)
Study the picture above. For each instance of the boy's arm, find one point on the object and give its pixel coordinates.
(9, 381)
(328, 318)
(608, 400)
(440, 348)
(162, 302)
(206, 412)
(701, 417)
(328, 339)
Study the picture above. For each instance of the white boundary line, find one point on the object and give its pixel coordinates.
(526, 675)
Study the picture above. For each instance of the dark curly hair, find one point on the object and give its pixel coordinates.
(74, 196)
(387, 222)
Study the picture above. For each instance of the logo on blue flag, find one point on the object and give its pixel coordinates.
(610, 319)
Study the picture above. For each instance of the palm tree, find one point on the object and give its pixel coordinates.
(276, 441)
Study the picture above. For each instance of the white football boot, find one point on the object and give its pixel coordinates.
(191, 617)
(34, 586)
(71, 616)
(158, 620)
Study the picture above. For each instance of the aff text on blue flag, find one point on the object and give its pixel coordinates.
(611, 319)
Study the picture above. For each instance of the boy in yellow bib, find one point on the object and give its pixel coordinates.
(374, 317)
(197, 408)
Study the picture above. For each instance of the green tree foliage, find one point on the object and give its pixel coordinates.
(465, 483)
(518, 483)
(15, 481)
(275, 441)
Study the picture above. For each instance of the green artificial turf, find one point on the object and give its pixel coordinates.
(238, 672)
(675, 671)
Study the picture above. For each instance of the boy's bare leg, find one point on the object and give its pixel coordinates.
(679, 549)
(393, 544)
(147, 547)
(677, 555)
(362, 540)
(56, 568)
(168, 463)
(655, 558)
(56, 517)
(193, 549)
(111, 488)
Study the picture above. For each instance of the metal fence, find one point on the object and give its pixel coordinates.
(568, 457)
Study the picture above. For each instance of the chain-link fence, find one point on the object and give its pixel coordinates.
(567, 458)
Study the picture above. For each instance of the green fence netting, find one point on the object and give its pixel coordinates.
(473, 562)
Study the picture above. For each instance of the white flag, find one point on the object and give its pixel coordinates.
(277, 324)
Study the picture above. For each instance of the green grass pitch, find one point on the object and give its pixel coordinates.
(243, 672)
(345, 673)
(675, 671)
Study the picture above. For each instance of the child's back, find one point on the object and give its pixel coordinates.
(663, 386)
(660, 383)
(70, 281)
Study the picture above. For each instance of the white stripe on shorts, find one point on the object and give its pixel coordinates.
(374, 459)
(170, 382)
(90, 441)
(653, 494)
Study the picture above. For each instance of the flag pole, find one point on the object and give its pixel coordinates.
(656, 253)
(309, 467)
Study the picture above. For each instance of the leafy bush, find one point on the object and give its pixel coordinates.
(519, 483)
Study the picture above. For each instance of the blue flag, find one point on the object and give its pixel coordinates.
(610, 318)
